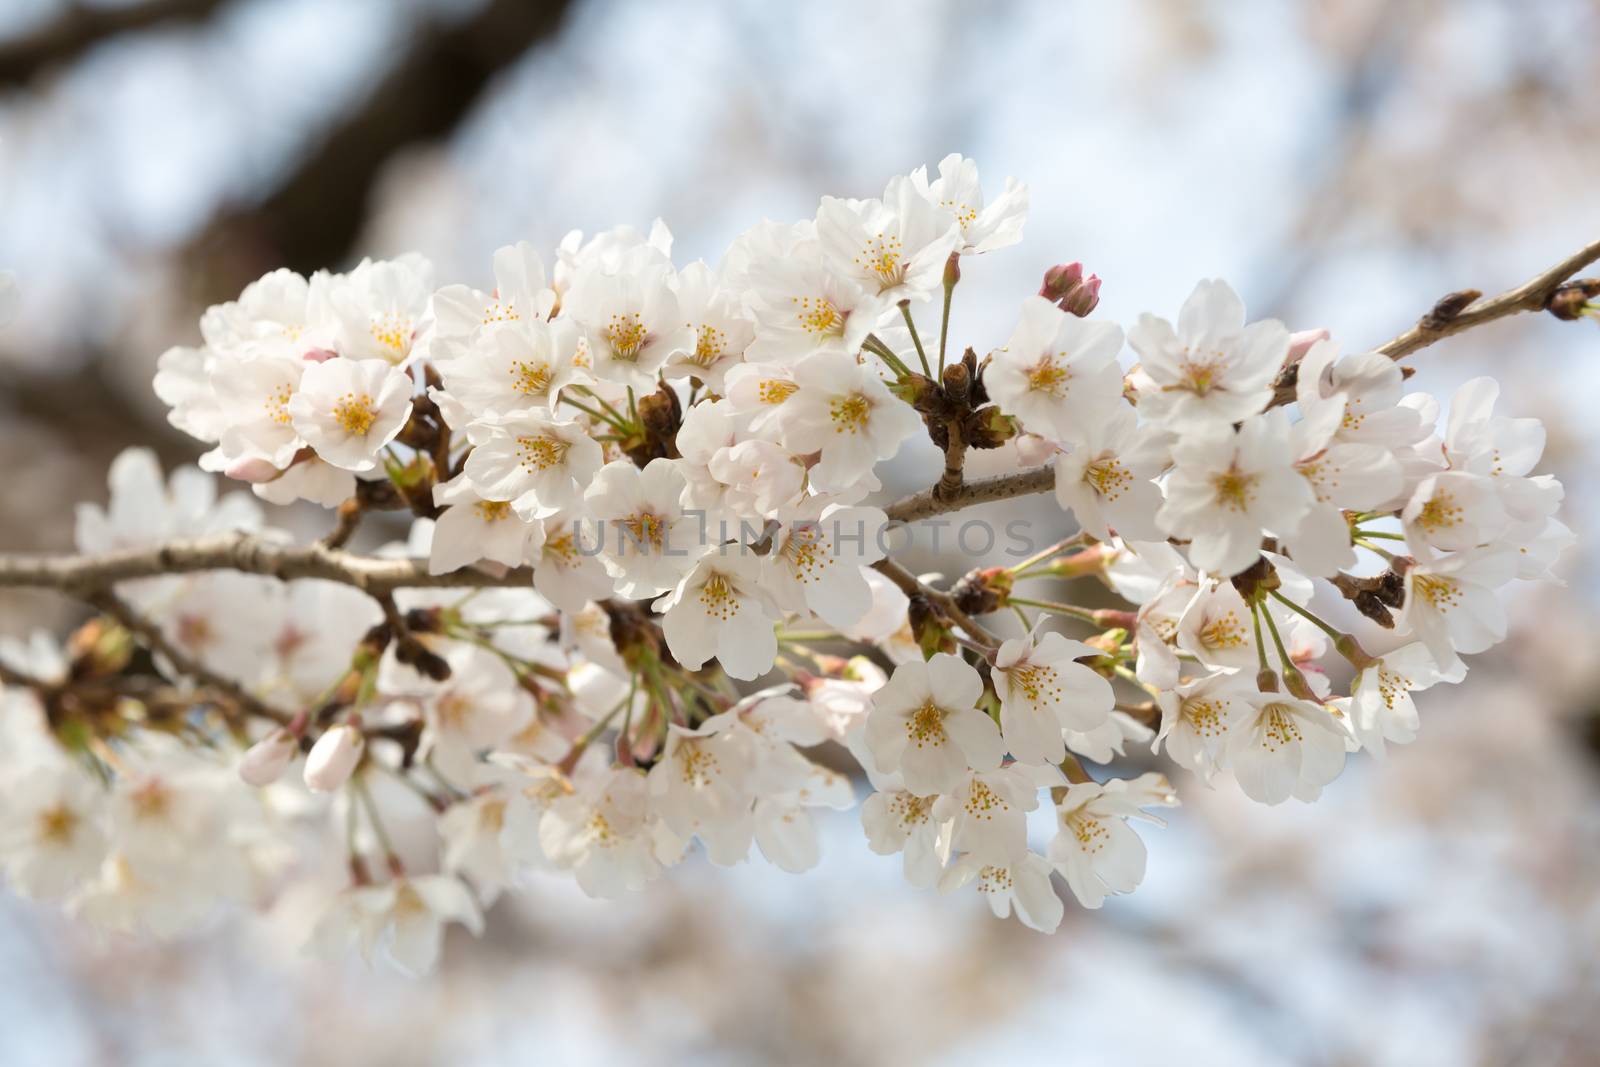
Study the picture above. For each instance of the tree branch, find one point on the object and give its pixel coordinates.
(79, 28)
(929, 502)
(942, 602)
(149, 633)
(1453, 314)
(82, 576)
(314, 216)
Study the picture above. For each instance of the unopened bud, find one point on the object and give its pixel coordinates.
(952, 270)
(319, 355)
(265, 761)
(1092, 560)
(1069, 289)
(982, 591)
(1295, 682)
(1061, 280)
(917, 390)
(989, 427)
(254, 471)
(334, 757)
(1575, 300)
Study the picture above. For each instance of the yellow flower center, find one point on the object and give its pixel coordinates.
(1205, 718)
(698, 765)
(1223, 631)
(541, 452)
(1279, 727)
(355, 414)
(57, 825)
(1048, 376)
(393, 332)
(1441, 593)
(775, 390)
(818, 315)
(492, 510)
(1440, 512)
(881, 256)
(645, 529)
(626, 336)
(1235, 490)
(1090, 832)
(278, 404)
(806, 551)
(530, 379)
(926, 726)
(1108, 477)
(709, 346)
(719, 598)
(1036, 681)
(850, 413)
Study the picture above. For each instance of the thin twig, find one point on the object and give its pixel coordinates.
(149, 633)
(1451, 315)
(943, 602)
(928, 503)
(81, 576)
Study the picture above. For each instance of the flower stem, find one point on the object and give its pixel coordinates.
(905, 310)
(601, 415)
(944, 322)
(1303, 613)
(876, 346)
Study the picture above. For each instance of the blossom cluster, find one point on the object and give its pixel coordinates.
(666, 468)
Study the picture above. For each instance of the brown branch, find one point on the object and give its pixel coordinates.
(152, 637)
(1461, 311)
(82, 576)
(942, 602)
(929, 503)
(315, 215)
(347, 518)
(80, 28)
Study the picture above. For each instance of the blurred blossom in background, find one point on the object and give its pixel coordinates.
(1342, 162)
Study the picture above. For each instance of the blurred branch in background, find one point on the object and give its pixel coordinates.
(316, 213)
(78, 29)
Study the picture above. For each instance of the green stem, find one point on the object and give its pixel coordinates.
(1041, 557)
(1380, 534)
(876, 346)
(1277, 641)
(944, 323)
(359, 784)
(602, 416)
(1303, 613)
(905, 310)
(1069, 610)
(1261, 647)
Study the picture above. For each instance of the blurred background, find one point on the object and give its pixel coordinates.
(1342, 162)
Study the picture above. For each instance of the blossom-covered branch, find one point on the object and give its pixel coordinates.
(640, 583)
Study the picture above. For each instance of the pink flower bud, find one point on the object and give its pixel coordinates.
(319, 355)
(333, 758)
(1300, 342)
(254, 471)
(1061, 280)
(1067, 288)
(1084, 299)
(265, 761)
